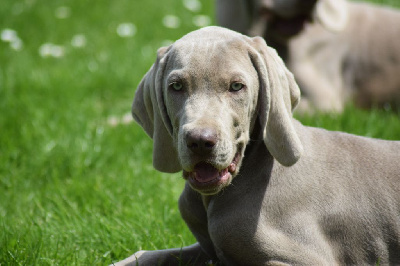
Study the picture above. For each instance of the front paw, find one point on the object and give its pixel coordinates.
(190, 255)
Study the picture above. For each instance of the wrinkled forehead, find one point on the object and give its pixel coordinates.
(210, 51)
(209, 56)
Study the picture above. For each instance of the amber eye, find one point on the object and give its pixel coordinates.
(236, 86)
(177, 86)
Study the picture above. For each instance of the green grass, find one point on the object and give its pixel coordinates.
(73, 188)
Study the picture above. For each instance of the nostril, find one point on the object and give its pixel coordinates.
(209, 144)
(192, 145)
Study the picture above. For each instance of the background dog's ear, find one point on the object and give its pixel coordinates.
(278, 96)
(331, 14)
(149, 110)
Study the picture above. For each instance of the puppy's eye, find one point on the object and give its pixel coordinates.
(236, 86)
(177, 86)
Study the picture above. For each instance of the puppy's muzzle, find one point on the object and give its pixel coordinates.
(207, 177)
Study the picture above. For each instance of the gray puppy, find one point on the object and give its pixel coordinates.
(262, 189)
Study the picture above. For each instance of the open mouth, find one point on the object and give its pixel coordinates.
(207, 179)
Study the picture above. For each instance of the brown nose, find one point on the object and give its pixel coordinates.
(201, 141)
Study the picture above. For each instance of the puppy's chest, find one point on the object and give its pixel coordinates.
(234, 227)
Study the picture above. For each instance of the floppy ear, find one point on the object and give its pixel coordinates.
(278, 96)
(149, 110)
(332, 14)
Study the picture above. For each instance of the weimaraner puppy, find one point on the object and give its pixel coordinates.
(261, 188)
(337, 50)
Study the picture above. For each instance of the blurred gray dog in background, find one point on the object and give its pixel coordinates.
(337, 50)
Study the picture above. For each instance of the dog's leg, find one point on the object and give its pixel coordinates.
(190, 255)
(193, 211)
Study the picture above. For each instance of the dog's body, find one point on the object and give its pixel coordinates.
(328, 208)
(337, 50)
(304, 196)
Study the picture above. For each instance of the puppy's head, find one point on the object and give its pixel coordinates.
(200, 100)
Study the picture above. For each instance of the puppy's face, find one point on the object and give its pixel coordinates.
(200, 100)
(210, 91)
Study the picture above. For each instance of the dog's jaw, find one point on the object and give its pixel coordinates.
(208, 180)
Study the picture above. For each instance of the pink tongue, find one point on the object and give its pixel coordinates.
(205, 172)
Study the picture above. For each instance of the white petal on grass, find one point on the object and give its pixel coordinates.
(8, 35)
(192, 5)
(113, 121)
(16, 44)
(201, 20)
(45, 50)
(63, 12)
(78, 41)
(11, 36)
(127, 119)
(57, 51)
(51, 50)
(171, 21)
(125, 30)
(50, 146)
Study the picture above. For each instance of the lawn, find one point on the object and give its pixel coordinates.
(77, 186)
